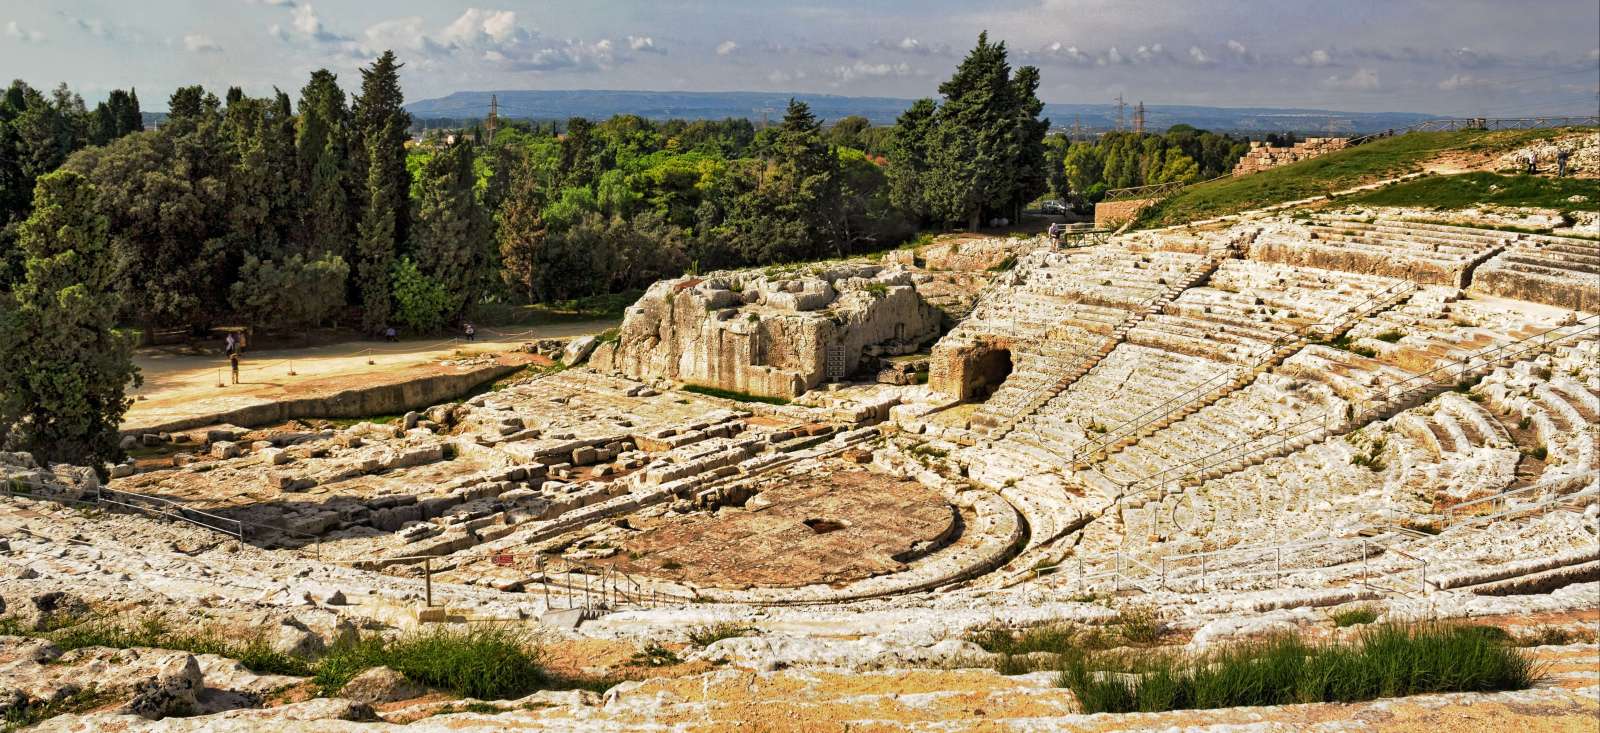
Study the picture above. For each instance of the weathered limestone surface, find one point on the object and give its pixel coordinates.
(768, 335)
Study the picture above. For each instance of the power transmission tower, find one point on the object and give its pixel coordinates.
(1138, 118)
(494, 115)
(1120, 106)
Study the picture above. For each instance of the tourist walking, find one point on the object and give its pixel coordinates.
(1561, 162)
(233, 364)
(390, 335)
(472, 333)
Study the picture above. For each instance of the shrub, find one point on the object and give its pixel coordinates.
(1140, 625)
(292, 292)
(1390, 336)
(420, 301)
(654, 655)
(708, 635)
(1384, 661)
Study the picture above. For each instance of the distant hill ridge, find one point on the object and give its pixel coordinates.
(600, 104)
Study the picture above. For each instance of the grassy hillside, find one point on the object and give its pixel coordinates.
(1470, 189)
(1374, 161)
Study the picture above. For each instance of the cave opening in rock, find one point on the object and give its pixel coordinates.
(989, 370)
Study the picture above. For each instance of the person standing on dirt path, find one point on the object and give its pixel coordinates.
(231, 346)
(472, 333)
(1561, 162)
(390, 335)
(233, 363)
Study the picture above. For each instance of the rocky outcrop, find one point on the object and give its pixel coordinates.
(766, 333)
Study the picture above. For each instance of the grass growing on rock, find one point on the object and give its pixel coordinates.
(729, 394)
(1373, 161)
(713, 633)
(1353, 616)
(485, 662)
(1465, 190)
(255, 652)
(1383, 661)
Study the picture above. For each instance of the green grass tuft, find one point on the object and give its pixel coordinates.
(486, 662)
(1354, 616)
(1384, 661)
(729, 394)
(708, 635)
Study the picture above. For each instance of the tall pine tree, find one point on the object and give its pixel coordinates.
(63, 369)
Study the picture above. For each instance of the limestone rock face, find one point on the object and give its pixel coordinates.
(769, 334)
(379, 685)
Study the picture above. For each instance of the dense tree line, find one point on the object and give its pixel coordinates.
(1084, 170)
(297, 212)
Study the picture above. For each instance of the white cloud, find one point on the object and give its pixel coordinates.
(862, 69)
(726, 47)
(26, 35)
(1237, 47)
(198, 43)
(644, 44)
(307, 23)
(480, 28)
(1360, 80)
(1315, 59)
(1198, 56)
(274, 3)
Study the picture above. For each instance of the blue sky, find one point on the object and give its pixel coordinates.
(1456, 57)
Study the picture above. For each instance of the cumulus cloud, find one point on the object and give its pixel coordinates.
(913, 46)
(726, 47)
(1199, 57)
(644, 44)
(199, 43)
(1360, 80)
(483, 28)
(26, 35)
(1237, 47)
(307, 23)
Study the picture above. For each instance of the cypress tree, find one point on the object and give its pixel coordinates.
(385, 215)
(321, 150)
(521, 231)
(986, 151)
(377, 243)
(451, 237)
(63, 369)
(909, 160)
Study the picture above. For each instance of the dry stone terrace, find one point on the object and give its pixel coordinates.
(1238, 427)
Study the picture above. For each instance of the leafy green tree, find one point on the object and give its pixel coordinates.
(848, 132)
(63, 368)
(166, 197)
(421, 303)
(451, 242)
(290, 293)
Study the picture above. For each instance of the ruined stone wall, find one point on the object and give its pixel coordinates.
(1113, 213)
(1265, 157)
(749, 332)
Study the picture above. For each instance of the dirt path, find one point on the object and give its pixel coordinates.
(177, 386)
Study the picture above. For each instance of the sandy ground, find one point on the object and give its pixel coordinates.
(177, 385)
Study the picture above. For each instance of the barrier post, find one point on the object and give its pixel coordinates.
(427, 580)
